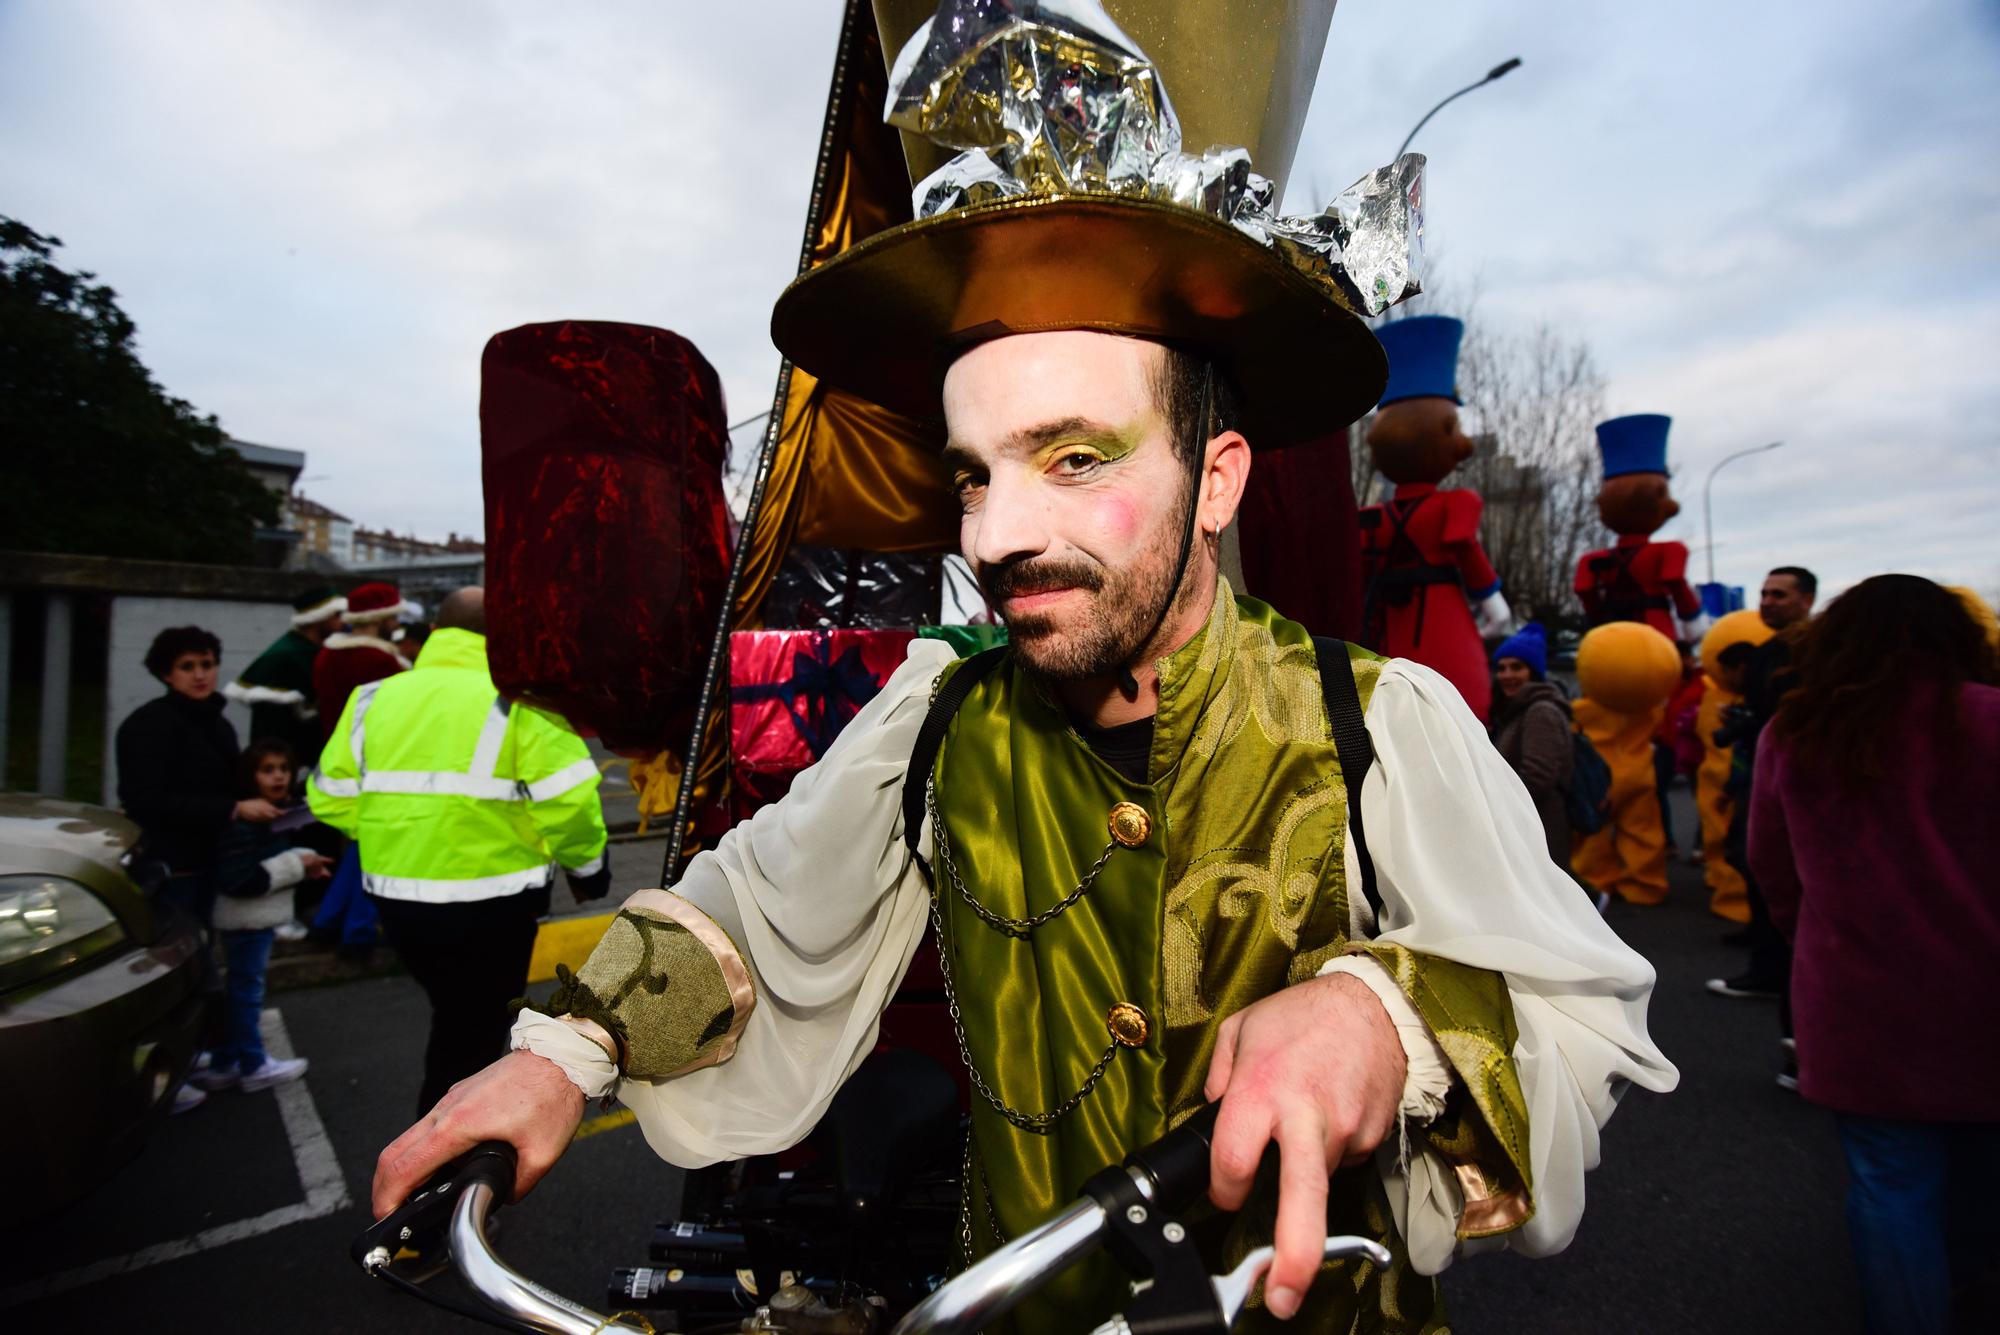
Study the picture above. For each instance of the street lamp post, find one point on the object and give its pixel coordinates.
(1496, 72)
(1708, 513)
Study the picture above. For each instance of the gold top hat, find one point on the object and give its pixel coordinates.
(1071, 206)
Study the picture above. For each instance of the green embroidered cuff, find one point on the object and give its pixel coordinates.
(668, 984)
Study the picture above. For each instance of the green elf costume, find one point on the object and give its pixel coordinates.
(1099, 921)
(278, 684)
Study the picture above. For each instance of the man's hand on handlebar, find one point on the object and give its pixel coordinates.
(522, 1099)
(1319, 1069)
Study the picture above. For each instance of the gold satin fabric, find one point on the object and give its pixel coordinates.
(845, 473)
(1237, 891)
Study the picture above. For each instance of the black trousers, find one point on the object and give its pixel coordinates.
(471, 960)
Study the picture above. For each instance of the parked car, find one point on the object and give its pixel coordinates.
(100, 1000)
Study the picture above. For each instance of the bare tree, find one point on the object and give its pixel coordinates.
(1532, 403)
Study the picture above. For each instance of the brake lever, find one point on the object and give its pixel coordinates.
(425, 1218)
(1232, 1290)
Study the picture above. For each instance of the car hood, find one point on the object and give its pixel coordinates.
(32, 825)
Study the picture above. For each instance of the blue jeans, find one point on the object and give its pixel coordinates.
(1918, 1208)
(248, 955)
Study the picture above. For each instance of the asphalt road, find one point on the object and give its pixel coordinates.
(1717, 1209)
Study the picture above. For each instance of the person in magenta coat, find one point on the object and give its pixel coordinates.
(1872, 834)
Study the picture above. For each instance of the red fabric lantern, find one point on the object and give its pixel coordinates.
(607, 544)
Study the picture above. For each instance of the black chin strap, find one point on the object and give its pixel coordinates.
(1128, 683)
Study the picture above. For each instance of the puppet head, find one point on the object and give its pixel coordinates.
(1635, 499)
(1627, 667)
(1740, 627)
(1415, 436)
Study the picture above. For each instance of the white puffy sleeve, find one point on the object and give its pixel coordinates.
(825, 906)
(1465, 875)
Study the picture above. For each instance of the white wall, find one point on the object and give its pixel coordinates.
(245, 630)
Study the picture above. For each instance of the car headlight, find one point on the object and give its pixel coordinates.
(39, 914)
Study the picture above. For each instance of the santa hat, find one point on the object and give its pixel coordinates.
(321, 604)
(375, 601)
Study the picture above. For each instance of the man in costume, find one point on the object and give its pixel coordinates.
(360, 654)
(278, 685)
(1144, 886)
(1431, 593)
(1638, 579)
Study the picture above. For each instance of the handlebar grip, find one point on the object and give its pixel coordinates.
(492, 1162)
(1177, 1162)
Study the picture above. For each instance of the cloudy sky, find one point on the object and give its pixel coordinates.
(1772, 221)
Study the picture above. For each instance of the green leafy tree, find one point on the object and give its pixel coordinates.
(95, 457)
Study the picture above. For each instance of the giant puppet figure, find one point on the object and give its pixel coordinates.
(1638, 579)
(1625, 670)
(1130, 828)
(1425, 569)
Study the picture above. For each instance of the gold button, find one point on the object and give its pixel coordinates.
(1127, 1024)
(1130, 824)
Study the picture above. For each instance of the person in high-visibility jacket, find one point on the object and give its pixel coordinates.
(463, 804)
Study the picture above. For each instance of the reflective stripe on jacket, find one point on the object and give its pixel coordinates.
(453, 793)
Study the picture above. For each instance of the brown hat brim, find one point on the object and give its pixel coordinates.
(885, 319)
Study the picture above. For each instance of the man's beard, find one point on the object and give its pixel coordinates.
(1122, 608)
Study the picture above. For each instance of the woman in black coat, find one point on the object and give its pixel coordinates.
(177, 767)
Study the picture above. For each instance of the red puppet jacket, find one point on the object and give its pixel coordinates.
(1421, 560)
(1638, 580)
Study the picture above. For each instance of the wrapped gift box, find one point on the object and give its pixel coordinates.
(790, 694)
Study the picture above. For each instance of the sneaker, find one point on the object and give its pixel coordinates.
(186, 1099)
(203, 1060)
(1743, 987)
(291, 931)
(215, 1080)
(1788, 1076)
(274, 1071)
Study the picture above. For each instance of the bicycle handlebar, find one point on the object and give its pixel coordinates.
(1169, 1174)
(1152, 1185)
(453, 1207)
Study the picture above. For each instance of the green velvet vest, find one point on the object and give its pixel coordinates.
(1235, 890)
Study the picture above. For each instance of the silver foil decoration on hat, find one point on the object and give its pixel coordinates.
(1049, 96)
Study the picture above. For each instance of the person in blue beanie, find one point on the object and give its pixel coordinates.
(1531, 729)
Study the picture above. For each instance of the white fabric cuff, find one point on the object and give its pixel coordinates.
(588, 1066)
(1427, 1076)
(285, 869)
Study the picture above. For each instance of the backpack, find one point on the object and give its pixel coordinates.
(1343, 712)
(1589, 797)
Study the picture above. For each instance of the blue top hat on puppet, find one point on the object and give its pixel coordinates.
(1423, 358)
(1635, 444)
(1528, 644)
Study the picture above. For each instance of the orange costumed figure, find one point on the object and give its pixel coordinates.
(1626, 671)
(1431, 593)
(1723, 680)
(1638, 579)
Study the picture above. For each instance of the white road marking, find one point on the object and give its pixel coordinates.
(312, 1153)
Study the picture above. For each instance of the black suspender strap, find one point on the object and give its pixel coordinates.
(1357, 753)
(930, 737)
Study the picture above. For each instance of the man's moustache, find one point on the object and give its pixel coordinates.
(1003, 582)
